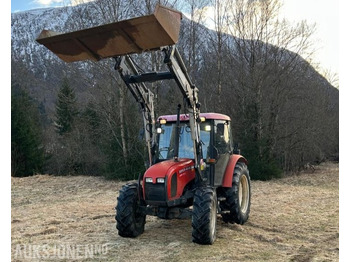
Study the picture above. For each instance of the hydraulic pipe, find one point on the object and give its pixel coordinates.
(177, 134)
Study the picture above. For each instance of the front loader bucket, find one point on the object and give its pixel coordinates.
(130, 36)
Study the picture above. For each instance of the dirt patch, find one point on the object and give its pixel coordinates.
(72, 218)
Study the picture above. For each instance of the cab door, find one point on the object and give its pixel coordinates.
(223, 145)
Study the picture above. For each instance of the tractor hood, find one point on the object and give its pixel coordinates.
(165, 181)
(169, 167)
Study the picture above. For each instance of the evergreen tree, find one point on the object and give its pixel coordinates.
(27, 154)
(66, 108)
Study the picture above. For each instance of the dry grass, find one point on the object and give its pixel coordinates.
(292, 219)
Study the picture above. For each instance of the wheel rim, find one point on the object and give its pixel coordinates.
(213, 219)
(244, 193)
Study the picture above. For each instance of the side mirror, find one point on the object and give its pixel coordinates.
(236, 150)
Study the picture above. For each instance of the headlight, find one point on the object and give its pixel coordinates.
(160, 180)
(149, 180)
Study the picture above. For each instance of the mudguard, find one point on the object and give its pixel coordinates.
(234, 159)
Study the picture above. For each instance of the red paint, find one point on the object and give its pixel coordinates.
(227, 180)
(167, 168)
(183, 117)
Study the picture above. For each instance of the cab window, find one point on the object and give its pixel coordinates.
(222, 134)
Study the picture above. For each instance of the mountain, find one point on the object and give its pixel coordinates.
(278, 102)
(27, 25)
(41, 65)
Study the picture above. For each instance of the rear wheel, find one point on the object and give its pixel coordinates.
(238, 196)
(130, 220)
(204, 215)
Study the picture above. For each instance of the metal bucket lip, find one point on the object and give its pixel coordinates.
(129, 36)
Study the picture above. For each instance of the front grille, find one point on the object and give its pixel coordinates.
(154, 192)
(173, 185)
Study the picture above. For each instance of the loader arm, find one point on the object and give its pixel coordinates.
(143, 95)
(135, 82)
(190, 93)
(159, 31)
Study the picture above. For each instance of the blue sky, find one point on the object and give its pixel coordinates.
(22, 5)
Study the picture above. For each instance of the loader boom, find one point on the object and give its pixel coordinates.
(119, 40)
(143, 95)
(177, 71)
(190, 93)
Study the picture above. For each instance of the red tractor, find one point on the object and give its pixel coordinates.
(172, 184)
(194, 170)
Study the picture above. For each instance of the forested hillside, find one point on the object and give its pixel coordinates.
(284, 113)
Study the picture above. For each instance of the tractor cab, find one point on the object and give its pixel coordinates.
(169, 182)
(216, 141)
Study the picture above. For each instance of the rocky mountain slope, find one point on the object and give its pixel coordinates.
(277, 100)
(46, 68)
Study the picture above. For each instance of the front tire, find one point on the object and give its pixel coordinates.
(204, 216)
(130, 220)
(238, 196)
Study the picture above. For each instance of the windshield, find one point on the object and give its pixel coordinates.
(166, 142)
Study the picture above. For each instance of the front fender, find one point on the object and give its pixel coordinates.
(234, 159)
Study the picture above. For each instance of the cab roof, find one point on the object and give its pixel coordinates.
(185, 117)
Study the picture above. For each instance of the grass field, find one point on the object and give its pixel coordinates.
(72, 218)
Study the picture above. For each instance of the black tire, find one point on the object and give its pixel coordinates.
(130, 221)
(204, 216)
(238, 196)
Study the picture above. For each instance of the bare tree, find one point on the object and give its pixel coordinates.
(262, 63)
(332, 77)
(220, 14)
(192, 33)
(245, 69)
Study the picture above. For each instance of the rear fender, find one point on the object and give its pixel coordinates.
(234, 159)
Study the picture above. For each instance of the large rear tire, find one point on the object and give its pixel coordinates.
(130, 220)
(238, 196)
(204, 216)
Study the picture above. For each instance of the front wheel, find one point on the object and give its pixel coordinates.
(238, 196)
(204, 215)
(130, 220)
